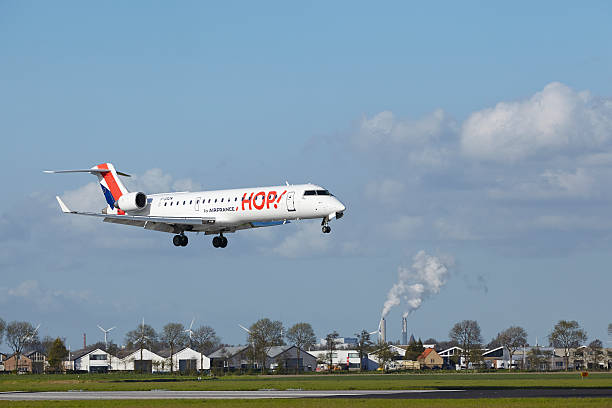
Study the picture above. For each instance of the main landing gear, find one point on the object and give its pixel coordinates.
(180, 240)
(220, 241)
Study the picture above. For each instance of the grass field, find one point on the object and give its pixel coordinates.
(127, 382)
(326, 403)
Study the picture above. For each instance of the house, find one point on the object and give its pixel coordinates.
(452, 357)
(233, 358)
(430, 359)
(286, 357)
(186, 360)
(342, 360)
(89, 360)
(2, 358)
(241, 358)
(31, 362)
(140, 361)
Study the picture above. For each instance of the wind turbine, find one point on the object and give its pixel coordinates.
(105, 332)
(189, 331)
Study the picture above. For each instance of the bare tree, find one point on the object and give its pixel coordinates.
(173, 335)
(330, 345)
(18, 336)
(566, 335)
(2, 329)
(385, 355)
(467, 335)
(364, 345)
(205, 341)
(263, 335)
(512, 339)
(144, 336)
(302, 336)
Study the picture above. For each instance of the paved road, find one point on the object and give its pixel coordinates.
(162, 394)
(395, 394)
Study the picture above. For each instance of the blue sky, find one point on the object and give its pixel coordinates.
(473, 131)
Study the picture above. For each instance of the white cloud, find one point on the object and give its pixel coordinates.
(424, 142)
(453, 230)
(305, 241)
(554, 120)
(31, 292)
(549, 185)
(404, 226)
(386, 191)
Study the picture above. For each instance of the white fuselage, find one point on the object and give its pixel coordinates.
(239, 206)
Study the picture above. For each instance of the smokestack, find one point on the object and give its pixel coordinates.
(84, 341)
(404, 330)
(382, 330)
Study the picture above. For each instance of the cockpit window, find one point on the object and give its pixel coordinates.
(323, 192)
(310, 192)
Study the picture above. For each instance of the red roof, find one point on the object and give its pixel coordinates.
(425, 353)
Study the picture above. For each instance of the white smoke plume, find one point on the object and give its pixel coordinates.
(424, 278)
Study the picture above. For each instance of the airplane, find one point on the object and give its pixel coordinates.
(215, 212)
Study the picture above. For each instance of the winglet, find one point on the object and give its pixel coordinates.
(63, 206)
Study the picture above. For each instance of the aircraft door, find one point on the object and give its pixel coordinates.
(197, 203)
(290, 201)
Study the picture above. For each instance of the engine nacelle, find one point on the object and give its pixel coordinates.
(132, 202)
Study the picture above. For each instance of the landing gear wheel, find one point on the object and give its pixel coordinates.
(184, 240)
(326, 229)
(223, 242)
(217, 242)
(177, 240)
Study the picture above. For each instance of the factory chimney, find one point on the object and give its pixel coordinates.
(404, 330)
(84, 341)
(382, 330)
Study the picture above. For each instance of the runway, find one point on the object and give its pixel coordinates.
(288, 394)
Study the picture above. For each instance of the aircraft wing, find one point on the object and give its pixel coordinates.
(139, 220)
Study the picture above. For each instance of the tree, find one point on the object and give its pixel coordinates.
(263, 335)
(2, 329)
(205, 341)
(596, 350)
(57, 353)
(144, 336)
(18, 336)
(302, 336)
(535, 357)
(412, 350)
(364, 345)
(566, 335)
(467, 335)
(173, 335)
(512, 339)
(330, 345)
(385, 355)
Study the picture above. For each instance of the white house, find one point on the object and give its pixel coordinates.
(89, 360)
(187, 359)
(343, 359)
(141, 360)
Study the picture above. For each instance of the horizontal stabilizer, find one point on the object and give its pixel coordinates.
(91, 171)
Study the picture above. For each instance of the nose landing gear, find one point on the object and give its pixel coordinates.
(325, 228)
(220, 241)
(180, 240)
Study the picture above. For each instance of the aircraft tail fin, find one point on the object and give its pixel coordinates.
(111, 185)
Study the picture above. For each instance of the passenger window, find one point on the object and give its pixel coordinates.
(221, 200)
(170, 203)
(183, 202)
(190, 201)
(165, 204)
(215, 200)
